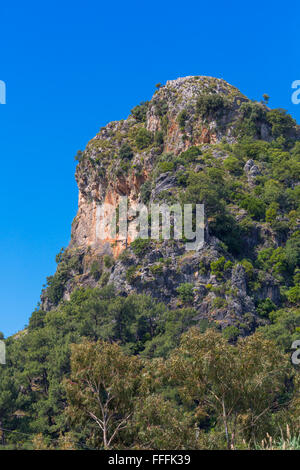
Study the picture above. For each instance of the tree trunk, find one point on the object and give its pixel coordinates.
(225, 425)
(2, 433)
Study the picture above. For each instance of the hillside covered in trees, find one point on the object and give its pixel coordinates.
(141, 344)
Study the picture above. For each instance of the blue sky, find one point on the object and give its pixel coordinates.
(70, 67)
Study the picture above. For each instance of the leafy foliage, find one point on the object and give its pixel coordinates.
(185, 292)
(211, 104)
(126, 152)
(139, 112)
(143, 138)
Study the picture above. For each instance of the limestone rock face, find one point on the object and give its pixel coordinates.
(102, 177)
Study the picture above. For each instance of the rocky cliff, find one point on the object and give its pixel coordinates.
(198, 140)
(171, 124)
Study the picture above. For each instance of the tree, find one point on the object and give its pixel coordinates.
(182, 117)
(139, 112)
(233, 165)
(239, 384)
(160, 424)
(284, 329)
(266, 98)
(126, 152)
(281, 122)
(293, 295)
(102, 387)
(8, 395)
(186, 292)
(255, 207)
(143, 138)
(211, 104)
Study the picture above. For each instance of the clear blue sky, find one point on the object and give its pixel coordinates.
(70, 67)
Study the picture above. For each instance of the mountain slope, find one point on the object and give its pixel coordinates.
(199, 140)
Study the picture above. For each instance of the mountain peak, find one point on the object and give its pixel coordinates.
(195, 85)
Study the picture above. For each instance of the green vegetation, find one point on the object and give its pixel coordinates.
(126, 152)
(281, 122)
(166, 166)
(143, 138)
(265, 307)
(219, 267)
(68, 265)
(146, 192)
(190, 155)
(211, 104)
(185, 292)
(182, 117)
(45, 389)
(252, 113)
(108, 261)
(130, 274)
(140, 246)
(203, 364)
(96, 270)
(231, 333)
(139, 112)
(234, 165)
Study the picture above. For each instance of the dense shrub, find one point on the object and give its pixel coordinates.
(108, 261)
(252, 114)
(126, 152)
(143, 138)
(265, 307)
(182, 117)
(233, 165)
(248, 148)
(130, 274)
(212, 105)
(231, 333)
(161, 107)
(217, 267)
(190, 155)
(249, 269)
(96, 270)
(182, 178)
(166, 166)
(185, 292)
(281, 122)
(140, 246)
(79, 156)
(284, 327)
(254, 206)
(68, 265)
(210, 188)
(140, 112)
(253, 111)
(293, 295)
(146, 192)
(159, 138)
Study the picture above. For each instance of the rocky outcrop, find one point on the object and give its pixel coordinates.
(251, 170)
(143, 158)
(102, 176)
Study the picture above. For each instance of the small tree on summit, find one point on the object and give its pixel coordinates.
(266, 98)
